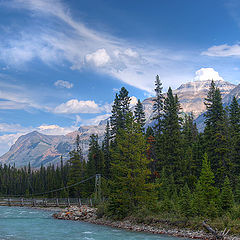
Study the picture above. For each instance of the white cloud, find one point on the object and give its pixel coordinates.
(63, 84)
(99, 58)
(207, 74)
(133, 101)
(129, 52)
(7, 140)
(223, 51)
(75, 106)
(96, 120)
(55, 129)
(12, 128)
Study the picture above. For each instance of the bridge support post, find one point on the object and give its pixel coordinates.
(33, 202)
(57, 203)
(97, 196)
(79, 202)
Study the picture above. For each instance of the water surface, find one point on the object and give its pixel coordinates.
(18, 223)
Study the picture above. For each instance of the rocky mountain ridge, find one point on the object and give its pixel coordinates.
(39, 149)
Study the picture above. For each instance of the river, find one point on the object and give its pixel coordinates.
(18, 223)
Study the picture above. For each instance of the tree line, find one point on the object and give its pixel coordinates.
(168, 167)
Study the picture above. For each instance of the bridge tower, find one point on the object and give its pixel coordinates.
(97, 196)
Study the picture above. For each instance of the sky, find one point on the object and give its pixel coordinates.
(62, 61)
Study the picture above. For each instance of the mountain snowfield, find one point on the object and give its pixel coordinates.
(40, 149)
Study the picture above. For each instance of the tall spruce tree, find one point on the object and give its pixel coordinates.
(234, 122)
(226, 196)
(158, 105)
(140, 115)
(120, 109)
(106, 151)
(206, 194)
(172, 139)
(76, 169)
(215, 133)
(129, 189)
(95, 164)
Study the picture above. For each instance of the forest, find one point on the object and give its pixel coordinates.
(167, 169)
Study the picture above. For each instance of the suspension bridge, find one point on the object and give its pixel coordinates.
(37, 201)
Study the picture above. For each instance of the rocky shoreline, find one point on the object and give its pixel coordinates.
(88, 214)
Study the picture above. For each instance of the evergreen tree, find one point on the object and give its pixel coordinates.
(158, 105)
(106, 151)
(95, 164)
(186, 201)
(206, 200)
(226, 195)
(234, 122)
(215, 133)
(76, 171)
(128, 187)
(151, 152)
(140, 115)
(172, 140)
(120, 109)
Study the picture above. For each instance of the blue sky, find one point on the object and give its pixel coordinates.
(61, 62)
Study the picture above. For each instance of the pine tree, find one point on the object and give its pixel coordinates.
(128, 187)
(171, 158)
(234, 122)
(158, 105)
(76, 171)
(140, 115)
(205, 201)
(215, 133)
(226, 195)
(190, 137)
(120, 109)
(95, 162)
(106, 151)
(189, 131)
(186, 201)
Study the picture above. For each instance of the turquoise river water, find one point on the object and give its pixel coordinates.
(18, 223)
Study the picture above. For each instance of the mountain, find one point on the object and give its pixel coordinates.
(191, 95)
(38, 148)
(234, 93)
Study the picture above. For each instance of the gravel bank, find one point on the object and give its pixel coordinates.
(87, 214)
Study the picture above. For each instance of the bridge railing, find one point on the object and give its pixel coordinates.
(46, 202)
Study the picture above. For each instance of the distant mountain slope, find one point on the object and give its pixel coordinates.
(38, 148)
(234, 93)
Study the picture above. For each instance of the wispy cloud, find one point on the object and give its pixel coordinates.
(83, 48)
(63, 84)
(223, 50)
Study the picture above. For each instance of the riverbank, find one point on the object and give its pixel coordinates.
(87, 214)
